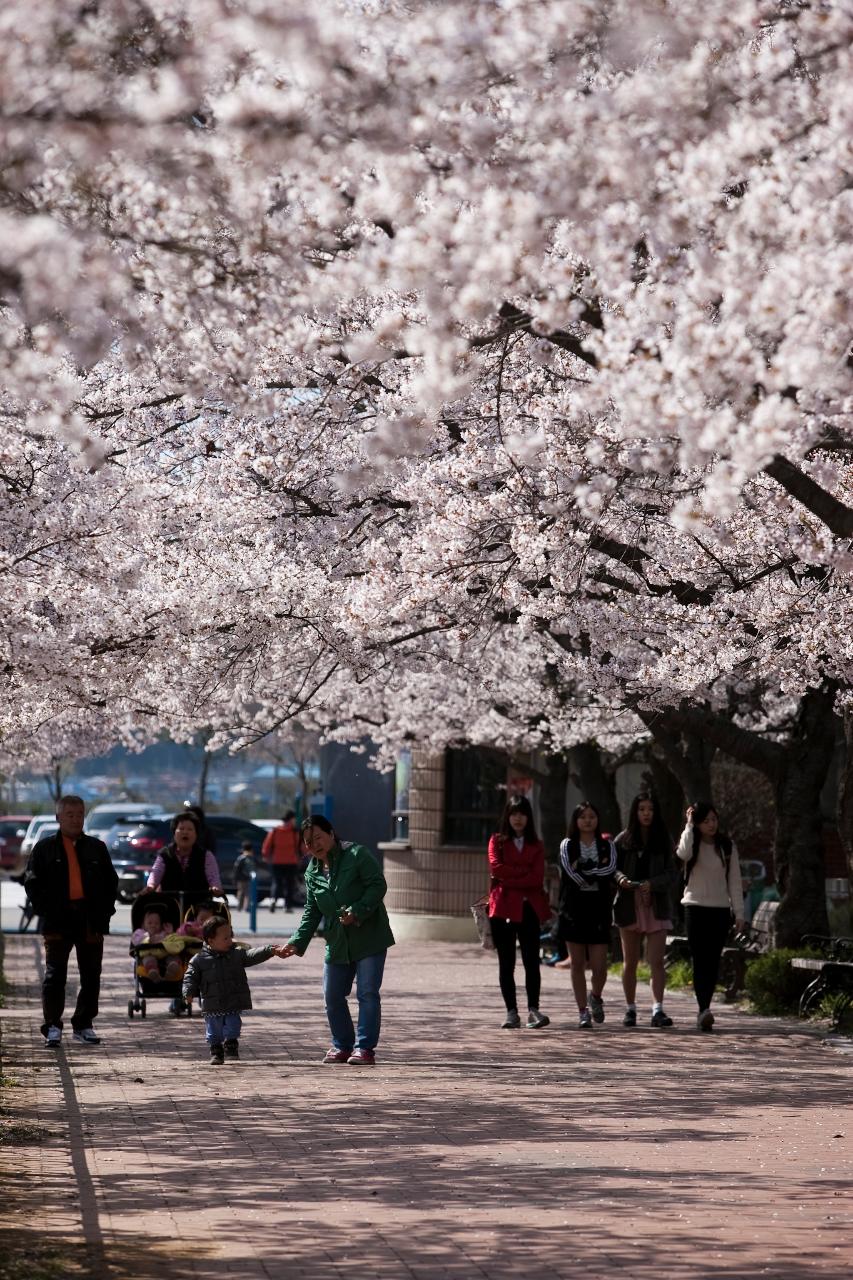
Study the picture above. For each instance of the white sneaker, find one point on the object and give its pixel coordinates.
(53, 1039)
(87, 1036)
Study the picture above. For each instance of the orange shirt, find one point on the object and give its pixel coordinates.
(75, 879)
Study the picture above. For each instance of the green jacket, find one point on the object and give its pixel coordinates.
(354, 883)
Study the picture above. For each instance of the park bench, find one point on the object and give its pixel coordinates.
(833, 973)
(742, 947)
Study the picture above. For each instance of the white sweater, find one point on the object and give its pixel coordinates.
(707, 885)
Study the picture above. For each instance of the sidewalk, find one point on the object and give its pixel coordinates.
(468, 1153)
(278, 923)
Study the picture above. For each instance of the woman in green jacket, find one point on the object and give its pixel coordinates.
(344, 884)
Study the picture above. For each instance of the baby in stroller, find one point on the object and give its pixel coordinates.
(160, 956)
(155, 961)
(197, 917)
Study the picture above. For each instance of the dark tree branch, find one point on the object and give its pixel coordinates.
(836, 515)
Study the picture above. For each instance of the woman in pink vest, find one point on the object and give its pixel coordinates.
(518, 906)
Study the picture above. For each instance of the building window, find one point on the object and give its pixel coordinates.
(474, 794)
(402, 780)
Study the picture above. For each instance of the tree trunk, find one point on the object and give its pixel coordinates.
(687, 753)
(667, 790)
(202, 781)
(797, 769)
(845, 792)
(799, 835)
(552, 805)
(55, 779)
(596, 784)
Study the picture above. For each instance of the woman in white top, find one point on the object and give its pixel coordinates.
(713, 892)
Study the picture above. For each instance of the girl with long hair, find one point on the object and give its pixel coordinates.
(518, 906)
(713, 892)
(644, 874)
(587, 871)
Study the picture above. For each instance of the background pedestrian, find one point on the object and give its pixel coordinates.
(281, 849)
(241, 873)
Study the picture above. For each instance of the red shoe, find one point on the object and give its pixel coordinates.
(362, 1058)
(337, 1055)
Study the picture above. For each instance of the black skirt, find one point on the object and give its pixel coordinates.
(587, 917)
(586, 930)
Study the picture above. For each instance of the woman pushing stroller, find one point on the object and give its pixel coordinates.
(185, 866)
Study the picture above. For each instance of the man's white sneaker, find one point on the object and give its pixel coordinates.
(53, 1039)
(87, 1036)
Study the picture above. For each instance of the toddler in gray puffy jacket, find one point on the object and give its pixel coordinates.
(218, 974)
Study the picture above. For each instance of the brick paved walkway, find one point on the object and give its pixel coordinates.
(468, 1154)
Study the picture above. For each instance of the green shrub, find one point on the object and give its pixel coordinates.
(773, 986)
(680, 974)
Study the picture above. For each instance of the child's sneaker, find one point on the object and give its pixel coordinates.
(596, 1004)
(585, 1020)
(232, 1048)
(661, 1019)
(630, 1019)
(217, 1055)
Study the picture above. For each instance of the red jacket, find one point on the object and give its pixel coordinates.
(516, 876)
(281, 846)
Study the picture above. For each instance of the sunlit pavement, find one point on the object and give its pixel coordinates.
(274, 923)
(466, 1152)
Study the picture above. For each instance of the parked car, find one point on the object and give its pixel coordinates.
(102, 817)
(13, 828)
(133, 858)
(44, 824)
(136, 845)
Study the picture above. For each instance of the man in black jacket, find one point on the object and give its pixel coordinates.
(72, 886)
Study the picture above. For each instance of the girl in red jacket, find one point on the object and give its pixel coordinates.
(518, 906)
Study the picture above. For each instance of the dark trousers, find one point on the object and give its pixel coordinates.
(505, 933)
(707, 930)
(284, 883)
(90, 951)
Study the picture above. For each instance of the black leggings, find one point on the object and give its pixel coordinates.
(505, 933)
(707, 930)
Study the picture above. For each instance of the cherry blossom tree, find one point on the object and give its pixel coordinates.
(458, 371)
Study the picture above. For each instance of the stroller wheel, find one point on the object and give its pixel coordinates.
(130, 1008)
(142, 1008)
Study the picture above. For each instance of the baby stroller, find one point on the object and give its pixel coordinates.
(158, 968)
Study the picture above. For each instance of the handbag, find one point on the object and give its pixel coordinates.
(480, 912)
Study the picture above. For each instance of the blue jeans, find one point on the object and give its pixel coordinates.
(222, 1026)
(337, 984)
